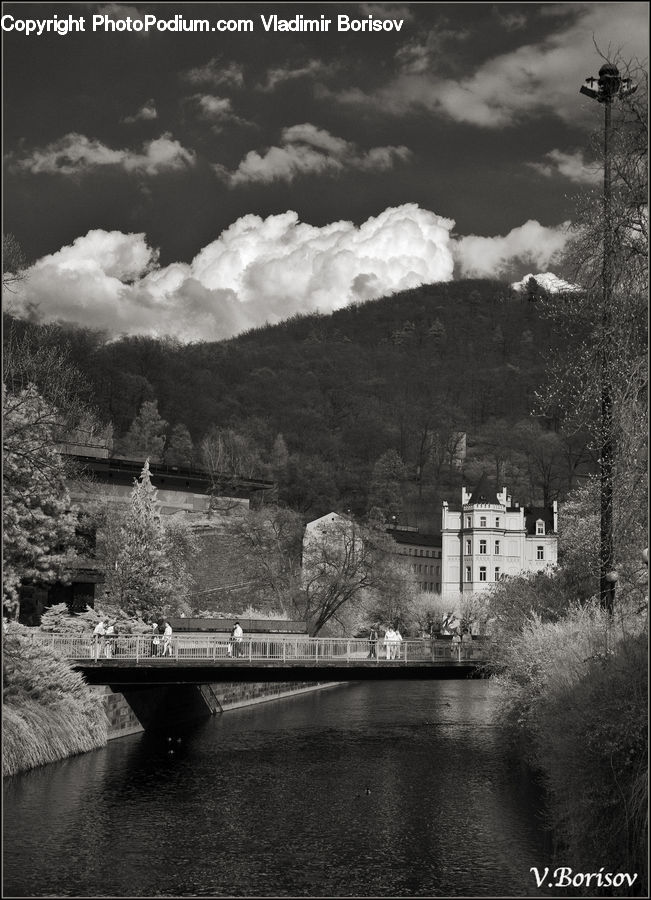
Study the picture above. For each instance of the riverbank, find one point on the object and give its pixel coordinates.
(50, 713)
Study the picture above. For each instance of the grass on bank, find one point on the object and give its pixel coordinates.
(49, 712)
(575, 692)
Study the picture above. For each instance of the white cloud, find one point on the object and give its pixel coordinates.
(146, 113)
(313, 68)
(216, 73)
(75, 154)
(262, 270)
(540, 76)
(570, 165)
(492, 257)
(305, 150)
(217, 110)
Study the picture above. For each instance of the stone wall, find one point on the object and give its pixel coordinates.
(161, 706)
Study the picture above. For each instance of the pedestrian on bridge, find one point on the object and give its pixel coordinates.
(373, 638)
(167, 639)
(155, 639)
(237, 636)
(389, 641)
(99, 638)
(397, 640)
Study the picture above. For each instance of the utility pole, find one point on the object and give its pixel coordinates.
(609, 86)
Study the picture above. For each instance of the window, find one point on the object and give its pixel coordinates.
(497, 548)
(497, 522)
(497, 573)
(482, 573)
(468, 573)
(540, 552)
(468, 548)
(482, 521)
(438, 587)
(438, 570)
(482, 547)
(540, 527)
(468, 520)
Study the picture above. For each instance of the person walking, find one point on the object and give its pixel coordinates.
(373, 636)
(238, 634)
(466, 643)
(388, 641)
(397, 640)
(109, 640)
(455, 649)
(167, 639)
(155, 639)
(99, 639)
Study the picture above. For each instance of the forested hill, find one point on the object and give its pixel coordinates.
(404, 373)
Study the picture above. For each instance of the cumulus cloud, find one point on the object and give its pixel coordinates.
(216, 73)
(146, 113)
(75, 154)
(570, 165)
(531, 243)
(530, 79)
(261, 270)
(305, 150)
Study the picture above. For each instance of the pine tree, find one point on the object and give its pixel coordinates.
(150, 573)
(146, 436)
(180, 449)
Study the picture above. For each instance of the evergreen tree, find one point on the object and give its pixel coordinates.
(149, 575)
(37, 516)
(146, 436)
(180, 449)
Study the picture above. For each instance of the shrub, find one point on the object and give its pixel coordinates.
(49, 712)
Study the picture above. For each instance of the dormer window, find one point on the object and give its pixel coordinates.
(540, 526)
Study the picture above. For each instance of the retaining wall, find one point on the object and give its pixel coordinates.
(159, 706)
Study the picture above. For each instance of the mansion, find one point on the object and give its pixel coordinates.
(487, 538)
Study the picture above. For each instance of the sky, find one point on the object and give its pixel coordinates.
(168, 180)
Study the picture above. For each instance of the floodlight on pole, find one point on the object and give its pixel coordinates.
(609, 86)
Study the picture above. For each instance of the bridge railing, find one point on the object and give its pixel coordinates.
(185, 647)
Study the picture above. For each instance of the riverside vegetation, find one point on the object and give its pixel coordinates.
(49, 712)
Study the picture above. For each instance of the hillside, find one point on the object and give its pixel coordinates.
(405, 373)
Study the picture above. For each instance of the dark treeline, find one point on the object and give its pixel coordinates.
(323, 402)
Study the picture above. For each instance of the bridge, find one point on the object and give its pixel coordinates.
(204, 658)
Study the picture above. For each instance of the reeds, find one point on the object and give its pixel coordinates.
(49, 712)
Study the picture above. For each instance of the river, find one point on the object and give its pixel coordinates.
(371, 789)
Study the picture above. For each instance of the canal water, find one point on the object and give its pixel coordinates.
(371, 789)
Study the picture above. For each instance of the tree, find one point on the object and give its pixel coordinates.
(38, 517)
(270, 550)
(227, 455)
(384, 491)
(343, 561)
(598, 380)
(146, 560)
(146, 436)
(180, 449)
(14, 262)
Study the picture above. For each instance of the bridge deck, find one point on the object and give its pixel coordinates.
(263, 651)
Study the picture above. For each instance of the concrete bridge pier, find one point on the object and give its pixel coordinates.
(137, 708)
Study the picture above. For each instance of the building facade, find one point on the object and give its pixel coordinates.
(423, 553)
(491, 537)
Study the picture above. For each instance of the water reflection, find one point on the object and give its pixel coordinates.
(371, 789)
